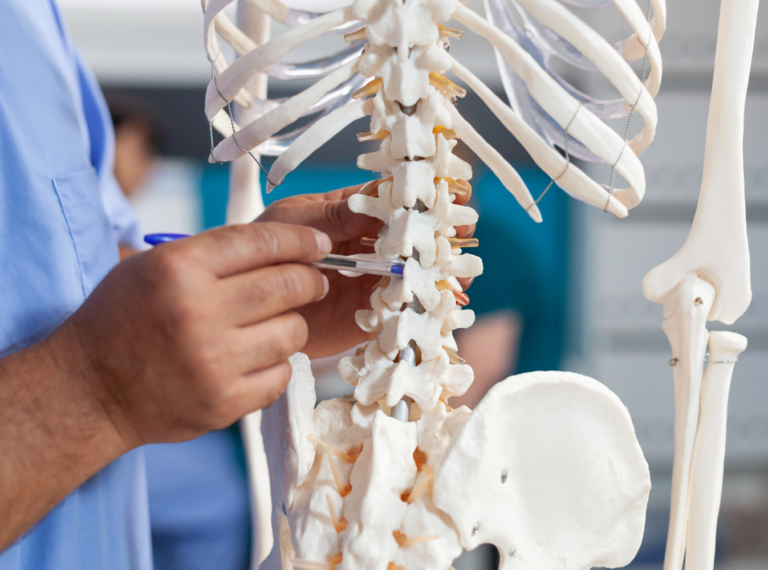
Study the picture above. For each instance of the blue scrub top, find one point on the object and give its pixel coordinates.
(62, 216)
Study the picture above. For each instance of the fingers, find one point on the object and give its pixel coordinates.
(341, 223)
(238, 248)
(259, 389)
(257, 295)
(464, 232)
(332, 217)
(269, 342)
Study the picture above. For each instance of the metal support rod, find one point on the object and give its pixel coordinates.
(400, 411)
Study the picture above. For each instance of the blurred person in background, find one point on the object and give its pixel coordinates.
(139, 137)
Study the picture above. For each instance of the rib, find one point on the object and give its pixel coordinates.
(314, 137)
(603, 141)
(267, 125)
(314, 69)
(232, 79)
(598, 50)
(212, 16)
(500, 167)
(633, 48)
(568, 176)
(274, 8)
(310, 69)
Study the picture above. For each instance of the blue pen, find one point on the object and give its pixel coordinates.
(337, 262)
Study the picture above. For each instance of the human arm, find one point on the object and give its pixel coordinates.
(174, 342)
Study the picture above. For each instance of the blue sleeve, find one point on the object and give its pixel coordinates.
(124, 223)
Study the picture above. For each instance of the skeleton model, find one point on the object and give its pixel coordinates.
(547, 466)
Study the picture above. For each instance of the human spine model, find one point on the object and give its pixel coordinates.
(547, 466)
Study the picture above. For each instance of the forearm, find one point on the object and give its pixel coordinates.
(53, 433)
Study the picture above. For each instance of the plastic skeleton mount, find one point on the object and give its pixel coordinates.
(547, 466)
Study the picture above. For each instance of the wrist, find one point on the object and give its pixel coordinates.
(54, 434)
(78, 383)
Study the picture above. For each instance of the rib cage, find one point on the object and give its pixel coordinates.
(567, 38)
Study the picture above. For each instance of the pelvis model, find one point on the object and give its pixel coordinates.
(547, 467)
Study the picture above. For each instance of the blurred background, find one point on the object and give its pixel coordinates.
(564, 295)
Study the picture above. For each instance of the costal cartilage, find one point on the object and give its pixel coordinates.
(709, 450)
(232, 79)
(270, 123)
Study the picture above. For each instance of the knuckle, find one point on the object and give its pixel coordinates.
(298, 332)
(292, 283)
(282, 374)
(169, 266)
(181, 317)
(268, 239)
(292, 337)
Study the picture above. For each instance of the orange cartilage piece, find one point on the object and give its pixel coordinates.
(453, 356)
(457, 243)
(448, 134)
(346, 457)
(419, 458)
(372, 188)
(342, 489)
(358, 35)
(336, 559)
(461, 297)
(367, 242)
(417, 490)
(370, 88)
(361, 349)
(393, 566)
(444, 85)
(403, 541)
(338, 523)
(369, 136)
(457, 186)
(446, 32)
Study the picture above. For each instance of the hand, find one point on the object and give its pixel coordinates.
(195, 334)
(332, 326)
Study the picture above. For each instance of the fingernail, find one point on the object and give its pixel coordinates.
(324, 244)
(326, 287)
